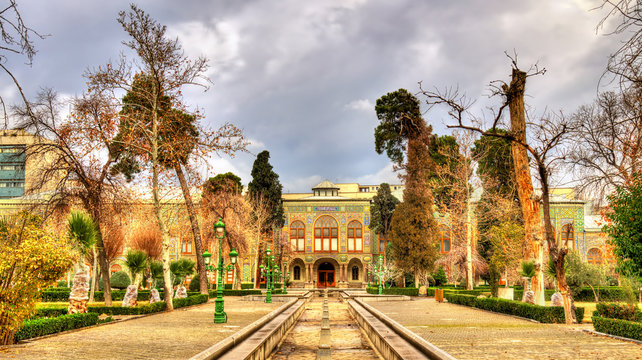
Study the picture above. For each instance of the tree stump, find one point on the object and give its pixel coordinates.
(422, 290)
(556, 299)
(181, 293)
(131, 297)
(154, 297)
(79, 292)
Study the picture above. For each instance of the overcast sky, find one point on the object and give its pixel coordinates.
(301, 77)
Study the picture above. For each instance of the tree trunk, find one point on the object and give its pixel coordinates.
(103, 264)
(94, 279)
(530, 207)
(556, 253)
(469, 246)
(196, 231)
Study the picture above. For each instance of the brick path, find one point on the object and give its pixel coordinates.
(302, 341)
(468, 333)
(176, 335)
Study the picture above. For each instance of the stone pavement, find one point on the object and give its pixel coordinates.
(468, 333)
(176, 335)
(348, 342)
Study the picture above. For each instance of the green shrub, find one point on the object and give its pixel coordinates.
(544, 314)
(394, 291)
(624, 328)
(120, 280)
(190, 300)
(45, 326)
(247, 285)
(135, 310)
(61, 283)
(50, 312)
(619, 311)
(195, 284)
(440, 277)
(518, 294)
(237, 292)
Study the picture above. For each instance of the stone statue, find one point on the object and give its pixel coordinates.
(131, 296)
(181, 293)
(79, 292)
(556, 299)
(154, 297)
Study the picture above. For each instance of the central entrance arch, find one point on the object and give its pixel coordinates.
(325, 275)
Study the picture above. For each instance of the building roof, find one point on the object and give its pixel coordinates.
(325, 184)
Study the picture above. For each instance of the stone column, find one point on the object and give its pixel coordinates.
(343, 272)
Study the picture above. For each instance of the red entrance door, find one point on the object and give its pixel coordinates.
(325, 275)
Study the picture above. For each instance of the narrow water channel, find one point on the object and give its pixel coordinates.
(348, 342)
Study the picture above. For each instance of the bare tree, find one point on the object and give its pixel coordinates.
(607, 151)
(147, 238)
(76, 158)
(550, 133)
(16, 37)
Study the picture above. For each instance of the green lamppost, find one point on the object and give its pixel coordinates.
(378, 271)
(219, 313)
(286, 277)
(267, 272)
(275, 276)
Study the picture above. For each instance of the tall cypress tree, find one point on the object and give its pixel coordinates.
(403, 130)
(265, 182)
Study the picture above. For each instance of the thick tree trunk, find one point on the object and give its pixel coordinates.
(196, 231)
(530, 207)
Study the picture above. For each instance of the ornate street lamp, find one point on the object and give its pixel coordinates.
(267, 272)
(275, 275)
(378, 271)
(233, 258)
(219, 313)
(286, 277)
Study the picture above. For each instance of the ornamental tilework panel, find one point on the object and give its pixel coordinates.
(366, 239)
(285, 220)
(367, 220)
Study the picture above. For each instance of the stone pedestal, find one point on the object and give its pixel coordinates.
(79, 292)
(131, 297)
(154, 297)
(506, 293)
(529, 297)
(556, 299)
(181, 293)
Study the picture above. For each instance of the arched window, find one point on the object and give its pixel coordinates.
(444, 239)
(186, 246)
(297, 236)
(355, 273)
(115, 268)
(383, 243)
(594, 256)
(355, 237)
(567, 236)
(326, 234)
(297, 272)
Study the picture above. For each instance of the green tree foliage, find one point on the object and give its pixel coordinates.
(120, 280)
(227, 183)
(400, 120)
(440, 277)
(82, 231)
(136, 262)
(182, 268)
(625, 227)
(498, 210)
(382, 209)
(580, 274)
(265, 182)
(444, 152)
(31, 258)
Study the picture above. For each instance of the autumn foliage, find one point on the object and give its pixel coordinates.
(30, 259)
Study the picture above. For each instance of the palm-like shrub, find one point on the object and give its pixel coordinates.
(82, 231)
(136, 262)
(155, 272)
(181, 268)
(528, 271)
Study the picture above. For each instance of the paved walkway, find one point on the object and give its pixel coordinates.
(468, 333)
(176, 335)
(348, 342)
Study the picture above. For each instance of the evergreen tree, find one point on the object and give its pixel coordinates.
(444, 151)
(383, 206)
(265, 182)
(403, 130)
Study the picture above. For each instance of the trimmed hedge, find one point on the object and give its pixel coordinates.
(247, 285)
(619, 311)
(40, 327)
(624, 328)
(116, 295)
(190, 300)
(135, 310)
(544, 314)
(394, 291)
(477, 291)
(518, 294)
(236, 292)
